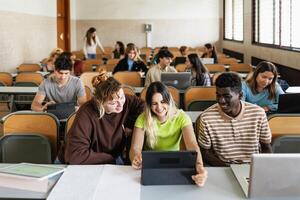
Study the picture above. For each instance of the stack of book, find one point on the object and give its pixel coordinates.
(27, 180)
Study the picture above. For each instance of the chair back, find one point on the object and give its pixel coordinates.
(227, 61)
(286, 144)
(128, 90)
(107, 67)
(113, 61)
(30, 148)
(87, 77)
(284, 124)
(30, 77)
(181, 67)
(215, 68)
(88, 65)
(200, 105)
(29, 68)
(199, 93)
(132, 79)
(240, 67)
(88, 93)
(69, 122)
(6, 78)
(27, 122)
(173, 91)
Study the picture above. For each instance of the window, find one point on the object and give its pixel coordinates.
(277, 23)
(234, 20)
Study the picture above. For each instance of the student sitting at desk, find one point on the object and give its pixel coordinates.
(154, 73)
(262, 87)
(59, 87)
(210, 52)
(200, 74)
(131, 62)
(101, 127)
(163, 126)
(230, 131)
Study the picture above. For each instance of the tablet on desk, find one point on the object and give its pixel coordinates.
(168, 167)
(62, 110)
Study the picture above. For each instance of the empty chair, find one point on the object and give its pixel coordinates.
(27, 122)
(284, 124)
(29, 68)
(69, 122)
(129, 78)
(6, 78)
(36, 78)
(31, 148)
(215, 68)
(90, 65)
(87, 77)
(173, 91)
(181, 67)
(199, 94)
(287, 144)
(240, 67)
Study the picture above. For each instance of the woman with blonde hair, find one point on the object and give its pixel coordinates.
(262, 87)
(48, 63)
(102, 125)
(163, 126)
(132, 61)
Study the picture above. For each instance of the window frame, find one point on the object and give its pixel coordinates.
(224, 24)
(274, 46)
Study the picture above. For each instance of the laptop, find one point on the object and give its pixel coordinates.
(168, 167)
(289, 103)
(269, 176)
(179, 80)
(207, 60)
(62, 110)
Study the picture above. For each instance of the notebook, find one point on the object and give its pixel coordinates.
(168, 167)
(207, 61)
(269, 176)
(62, 110)
(289, 103)
(180, 80)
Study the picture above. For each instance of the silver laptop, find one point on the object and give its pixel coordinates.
(270, 176)
(179, 80)
(207, 61)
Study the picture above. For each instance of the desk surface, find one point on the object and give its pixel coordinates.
(293, 89)
(18, 90)
(116, 182)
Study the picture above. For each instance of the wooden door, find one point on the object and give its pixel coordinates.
(63, 24)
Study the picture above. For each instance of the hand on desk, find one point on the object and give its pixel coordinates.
(201, 176)
(137, 161)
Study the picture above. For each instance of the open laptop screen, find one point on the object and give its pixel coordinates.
(62, 110)
(168, 167)
(179, 80)
(289, 103)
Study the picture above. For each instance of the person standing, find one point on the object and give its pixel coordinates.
(91, 42)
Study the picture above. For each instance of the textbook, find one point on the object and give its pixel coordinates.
(30, 177)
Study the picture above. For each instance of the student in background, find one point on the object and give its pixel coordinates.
(59, 87)
(262, 87)
(131, 62)
(48, 63)
(91, 41)
(200, 74)
(162, 126)
(210, 52)
(230, 131)
(119, 51)
(154, 73)
(155, 59)
(103, 125)
(184, 51)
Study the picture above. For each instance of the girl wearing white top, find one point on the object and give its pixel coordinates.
(91, 41)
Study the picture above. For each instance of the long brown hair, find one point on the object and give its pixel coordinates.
(262, 67)
(106, 88)
(89, 36)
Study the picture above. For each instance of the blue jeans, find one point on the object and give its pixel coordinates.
(91, 56)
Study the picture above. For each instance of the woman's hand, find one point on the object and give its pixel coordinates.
(201, 176)
(137, 161)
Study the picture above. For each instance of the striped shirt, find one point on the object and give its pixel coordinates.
(234, 140)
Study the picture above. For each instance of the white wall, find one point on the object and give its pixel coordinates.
(28, 31)
(33, 7)
(175, 22)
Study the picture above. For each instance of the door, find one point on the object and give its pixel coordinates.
(63, 24)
